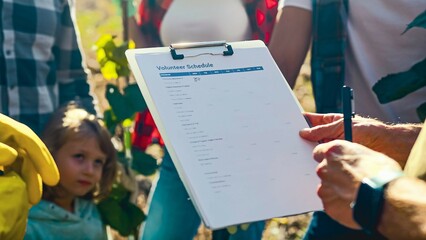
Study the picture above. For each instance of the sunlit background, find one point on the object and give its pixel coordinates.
(96, 18)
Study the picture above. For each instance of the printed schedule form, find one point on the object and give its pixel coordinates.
(231, 126)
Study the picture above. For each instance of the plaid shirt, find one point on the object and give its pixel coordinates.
(261, 14)
(40, 61)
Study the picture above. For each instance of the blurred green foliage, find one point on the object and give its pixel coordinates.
(111, 57)
(119, 213)
(95, 19)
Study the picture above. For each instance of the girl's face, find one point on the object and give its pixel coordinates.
(80, 163)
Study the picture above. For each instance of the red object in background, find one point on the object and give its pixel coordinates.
(260, 17)
(145, 131)
(262, 14)
(271, 4)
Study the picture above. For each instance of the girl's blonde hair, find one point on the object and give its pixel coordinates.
(72, 122)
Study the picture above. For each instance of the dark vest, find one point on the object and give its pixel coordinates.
(329, 37)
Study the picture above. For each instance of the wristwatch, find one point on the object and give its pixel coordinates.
(368, 205)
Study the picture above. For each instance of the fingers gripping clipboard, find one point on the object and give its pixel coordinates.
(230, 123)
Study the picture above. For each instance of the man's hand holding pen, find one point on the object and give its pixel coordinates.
(369, 132)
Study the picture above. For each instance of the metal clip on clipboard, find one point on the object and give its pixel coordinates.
(177, 56)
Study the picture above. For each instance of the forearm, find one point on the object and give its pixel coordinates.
(404, 212)
(136, 34)
(395, 140)
(402, 138)
(143, 29)
(290, 41)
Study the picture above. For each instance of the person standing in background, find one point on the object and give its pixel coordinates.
(40, 61)
(374, 48)
(171, 215)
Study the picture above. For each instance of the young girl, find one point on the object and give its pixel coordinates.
(86, 160)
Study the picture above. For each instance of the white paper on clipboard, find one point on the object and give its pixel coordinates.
(230, 124)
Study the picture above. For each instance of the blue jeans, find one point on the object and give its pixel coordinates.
(171, 214)
(322, 227)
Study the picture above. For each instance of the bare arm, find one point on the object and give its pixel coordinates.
(290, 41)
(404, 212)
(135, 33)
(140, 39)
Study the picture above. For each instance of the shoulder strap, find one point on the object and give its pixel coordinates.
(329, 37)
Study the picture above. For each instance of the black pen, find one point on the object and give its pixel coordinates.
(347, 98)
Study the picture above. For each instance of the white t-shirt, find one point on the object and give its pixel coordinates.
(205, 20)
(376, 48)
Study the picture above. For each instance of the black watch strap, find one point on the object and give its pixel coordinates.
(369, 203)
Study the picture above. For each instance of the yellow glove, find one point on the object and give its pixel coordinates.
(14, 206)
(23, 158)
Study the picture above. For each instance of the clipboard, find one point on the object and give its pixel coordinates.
(230, 123)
